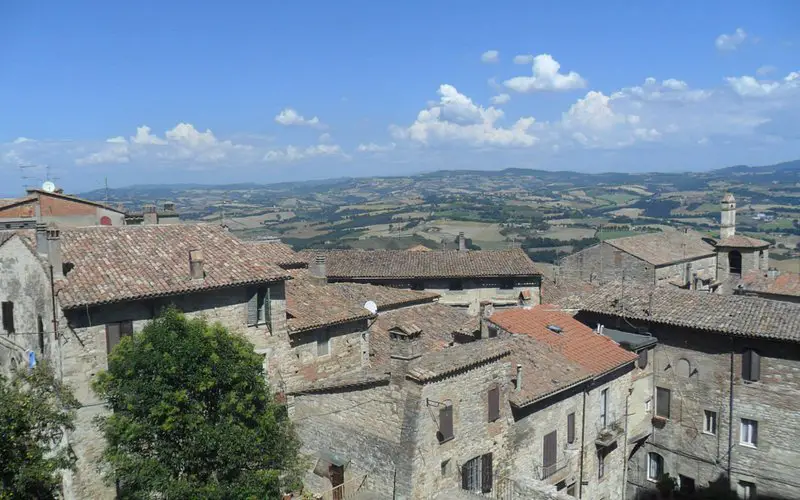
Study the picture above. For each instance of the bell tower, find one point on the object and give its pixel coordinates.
(727, 226)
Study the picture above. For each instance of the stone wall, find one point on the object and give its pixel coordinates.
(603, 263)
(705, 267)
(344, 352)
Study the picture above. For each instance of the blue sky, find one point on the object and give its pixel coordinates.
(184, 91)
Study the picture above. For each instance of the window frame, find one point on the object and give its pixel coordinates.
(493, 396)
(751, 366)
(710, 416)
(658, 460)
(602, 453)
(571, 428)
(604, 407)
(446, 416)
(128, 331)
(751, 492)
(323, 338)
(7, 311)
(668, 392)
(748, 428)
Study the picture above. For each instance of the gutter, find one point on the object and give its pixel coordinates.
(583, 434)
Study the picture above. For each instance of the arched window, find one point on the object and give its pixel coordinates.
(735, 262)
(683, 368)
(655, 466)
(105, 220)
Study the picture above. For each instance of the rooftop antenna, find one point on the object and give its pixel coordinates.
(25, 178)
(106, 183)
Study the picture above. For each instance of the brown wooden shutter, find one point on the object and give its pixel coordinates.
(549, 453)
(112, 336)
(662, 402)
(465, 476)
(746, 365)
(486, 473)
(252, 307)
(571, 428)
(446, 423)
(494, 403)
(125, 329)
(755, 366)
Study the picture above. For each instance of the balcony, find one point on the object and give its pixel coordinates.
(555, 472)
(609, 431)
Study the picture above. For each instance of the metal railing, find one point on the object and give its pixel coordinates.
(609, 430)
(346, 490)
(543, 472)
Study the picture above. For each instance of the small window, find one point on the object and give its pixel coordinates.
(477, 474)
(494, 403)
(662, 402)
(323, 343)
(445, 423)
(507, 284)
(685, 484)
(642, 361)
(445, 467)
(648, 405)
(748, 434)
(746, 490)
(601, 462)
(751, 366)
(8, 317)
(571, 490)
(549, 454)
(571, 428)
(456, 284)
(655, 466)
(40, 331)
(115, 332)
(258, 306)
(604, 408)
(418, 285)
(710, 425)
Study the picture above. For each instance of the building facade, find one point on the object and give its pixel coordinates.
(41, 206)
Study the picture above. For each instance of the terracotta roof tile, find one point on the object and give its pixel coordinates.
(401, 264)
(786, 283)
(665, 247)
(576, 341)
(276, 252)
(740, 241)
(113, 264)
(729, 314)
(438, 364)
(567, 293)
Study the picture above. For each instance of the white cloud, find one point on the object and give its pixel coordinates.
(546, 76)
(114, 154)
(668, 90)
(490, 56)
(455, 118)
(143, 136)
(375, 148)
(674, 84)
(748, 86)
(500, 99)
(185, 133)
(730, 42)
(325, 137)
(289, 116)
(20, 140)
(294, 153)
(765, 70)
(523, 59)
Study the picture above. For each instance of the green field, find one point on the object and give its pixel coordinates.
(619, 198)
(610, 235)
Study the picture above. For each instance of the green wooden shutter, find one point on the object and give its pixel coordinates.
(252, 307)
(266, 306)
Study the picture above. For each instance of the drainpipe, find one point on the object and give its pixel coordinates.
(625, 447)
(583, 432)
(730, 422)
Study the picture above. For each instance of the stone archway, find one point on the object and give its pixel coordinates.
(735, 262)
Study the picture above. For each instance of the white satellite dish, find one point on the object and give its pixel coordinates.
(371, 306)
(48, 186)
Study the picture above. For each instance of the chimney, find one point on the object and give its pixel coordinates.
(462, 242)
(486, 311)
(169, 206)
(54, 251)
(773, 272)
(365, 349)
(518, 381)
(196, 270)
(319, 268)
(150, 215)
(41, 239)
(401, 352)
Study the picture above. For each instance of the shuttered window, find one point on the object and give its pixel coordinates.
(549, 454)
(258, 306)
(662, 402)
(477, 474)
(40, 331)
(115, 332)
(486, 473)
(323, 343)
(751, 366)
(642, 361)
(252, 307)
(571, 428)
(494, 403)
(445, 424)
(8, 317)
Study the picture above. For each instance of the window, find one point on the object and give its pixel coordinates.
(476, 474)
(323, 342)
(571, 490)
(751, 366)
(8, 317)
(655, 466)
(445, 467)
(571, 428)
(648, 405)
(40, 331)
(710, 425)
(115, 332)
(445, 423)
(492, 332)
(456, 285)
(748, 433)
(418, 285)
(603, 407)
(745, 490)
(685, 484)
(507, 284)
(494, 403)
(258, 306)
(642, 361)
(549, 454)
(662, 402)
(601, 463)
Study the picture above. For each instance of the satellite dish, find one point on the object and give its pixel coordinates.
(371, 306)
(48, 187)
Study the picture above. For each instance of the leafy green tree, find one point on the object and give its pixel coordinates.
(193, 416)
(35, 411)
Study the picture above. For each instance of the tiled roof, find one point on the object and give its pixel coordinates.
(740, 241)
(113, 264)
(729, 314)
(278, 253)
(545, 370)
(350, 380)
(664, 248)
(437, 323)
(576, 341)
(786, 283)
(565, 292)
(419, 248)
(435, 365)
(313, 304)
(401, 264)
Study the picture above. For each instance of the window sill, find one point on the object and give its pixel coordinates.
(443, 441)
(707, 433)
(748, 445)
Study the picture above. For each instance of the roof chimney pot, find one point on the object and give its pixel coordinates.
(518, 381)
(196, 265)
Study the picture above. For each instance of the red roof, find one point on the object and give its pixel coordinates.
(576, 341)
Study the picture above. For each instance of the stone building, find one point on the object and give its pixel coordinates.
(771, 284)
(56, 207)
(462, 277)
(684, 259)
(150, 214)
(725, 388)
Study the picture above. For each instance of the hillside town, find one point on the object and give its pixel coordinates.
(439, 374)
